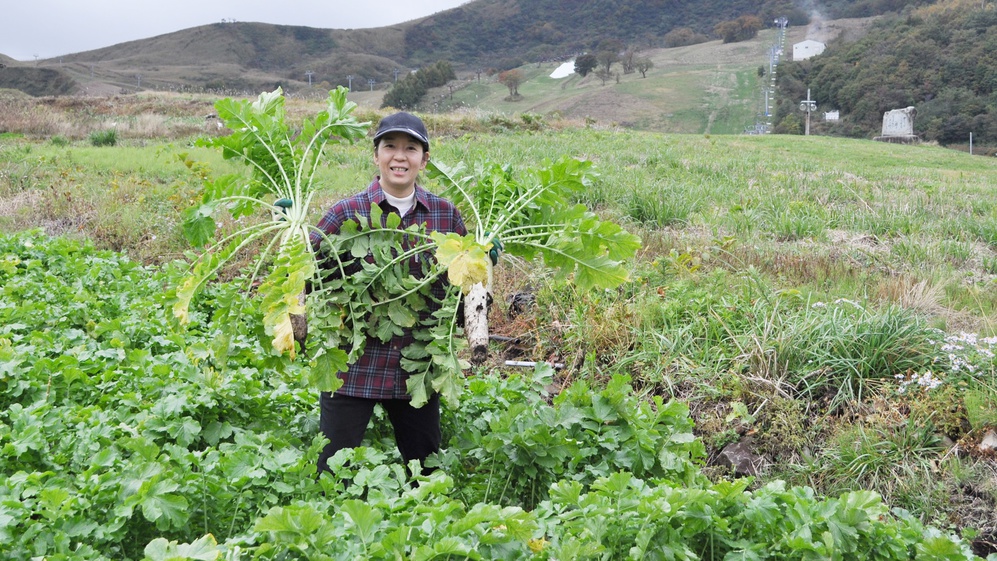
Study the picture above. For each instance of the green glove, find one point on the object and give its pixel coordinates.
(494, 251)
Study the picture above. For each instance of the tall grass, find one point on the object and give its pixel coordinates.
(844, 353)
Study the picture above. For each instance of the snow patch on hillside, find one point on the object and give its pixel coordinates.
(565, 70)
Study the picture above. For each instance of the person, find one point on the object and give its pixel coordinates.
(401, 151)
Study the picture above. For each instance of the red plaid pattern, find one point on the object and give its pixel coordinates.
(378, 374)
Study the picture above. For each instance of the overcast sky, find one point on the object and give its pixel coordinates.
(49, 28)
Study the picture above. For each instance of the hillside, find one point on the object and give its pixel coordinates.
(480, 34)
(940, 59)
(708, 87)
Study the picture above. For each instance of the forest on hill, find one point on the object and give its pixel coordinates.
(507, 33)
(940, 59)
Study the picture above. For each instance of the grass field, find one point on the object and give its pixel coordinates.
(801, 294)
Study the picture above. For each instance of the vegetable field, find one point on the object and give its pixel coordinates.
(827, 301)
(124, 438)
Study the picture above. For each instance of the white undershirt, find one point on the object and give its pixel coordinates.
(403, 205)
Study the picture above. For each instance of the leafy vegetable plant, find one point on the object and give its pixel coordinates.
(527, 217)
(362, 280)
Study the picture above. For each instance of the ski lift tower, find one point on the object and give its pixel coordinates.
(808, 105)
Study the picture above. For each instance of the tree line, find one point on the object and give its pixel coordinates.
(407, 92)
(480, 34)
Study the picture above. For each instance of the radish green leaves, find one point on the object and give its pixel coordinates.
(374, 279)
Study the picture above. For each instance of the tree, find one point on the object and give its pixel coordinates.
(603, 74)
(608, 52)
(683, 36)
(606, 59)
(405, 94)
(409, 91)
(512, 79)
(740, 29)
(629, 60)
(643, 64)
(585, 63)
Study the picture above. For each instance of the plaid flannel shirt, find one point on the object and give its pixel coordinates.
(378, 374)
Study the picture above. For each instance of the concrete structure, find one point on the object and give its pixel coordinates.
(832, 115)
(898, 126)
(806, 49)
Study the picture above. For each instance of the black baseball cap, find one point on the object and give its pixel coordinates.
(406, 123)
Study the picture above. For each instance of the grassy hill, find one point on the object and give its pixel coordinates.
(710, 87)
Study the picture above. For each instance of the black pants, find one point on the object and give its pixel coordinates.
(343, 420)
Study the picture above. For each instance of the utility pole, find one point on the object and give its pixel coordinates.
(309, 74)
(349, 81)
(808, 105)
(371, 83)
(397, 71)
(139, 78)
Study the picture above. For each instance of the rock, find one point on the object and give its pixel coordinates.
(520, 302)
(989, 442)
(741, 456)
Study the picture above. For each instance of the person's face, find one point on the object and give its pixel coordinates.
(399, 158)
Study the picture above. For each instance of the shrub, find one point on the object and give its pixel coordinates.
(107, 137)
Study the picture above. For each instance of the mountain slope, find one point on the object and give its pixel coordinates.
(940, 59)
(479, 34)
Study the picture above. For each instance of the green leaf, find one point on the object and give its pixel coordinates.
(199, 226)
(325, 370)
(162, 504)
(202, 549)
(401, 315)
(416, 387)
(363, 519)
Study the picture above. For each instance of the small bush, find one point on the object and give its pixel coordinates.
(59, 141)
(108, 137)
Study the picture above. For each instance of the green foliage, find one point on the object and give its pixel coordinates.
(283, 162)
(585, 63)
(740, 29)
(901, 461)
(516, 443)
(183, 448)
(106, 137)
(933, 58)
(843, 351)
(409, 91)
(533, 217)
(169, 433)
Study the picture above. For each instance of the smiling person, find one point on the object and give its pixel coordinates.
(401, 151)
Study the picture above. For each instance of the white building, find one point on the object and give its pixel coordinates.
(806, 49)
(832, 115)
